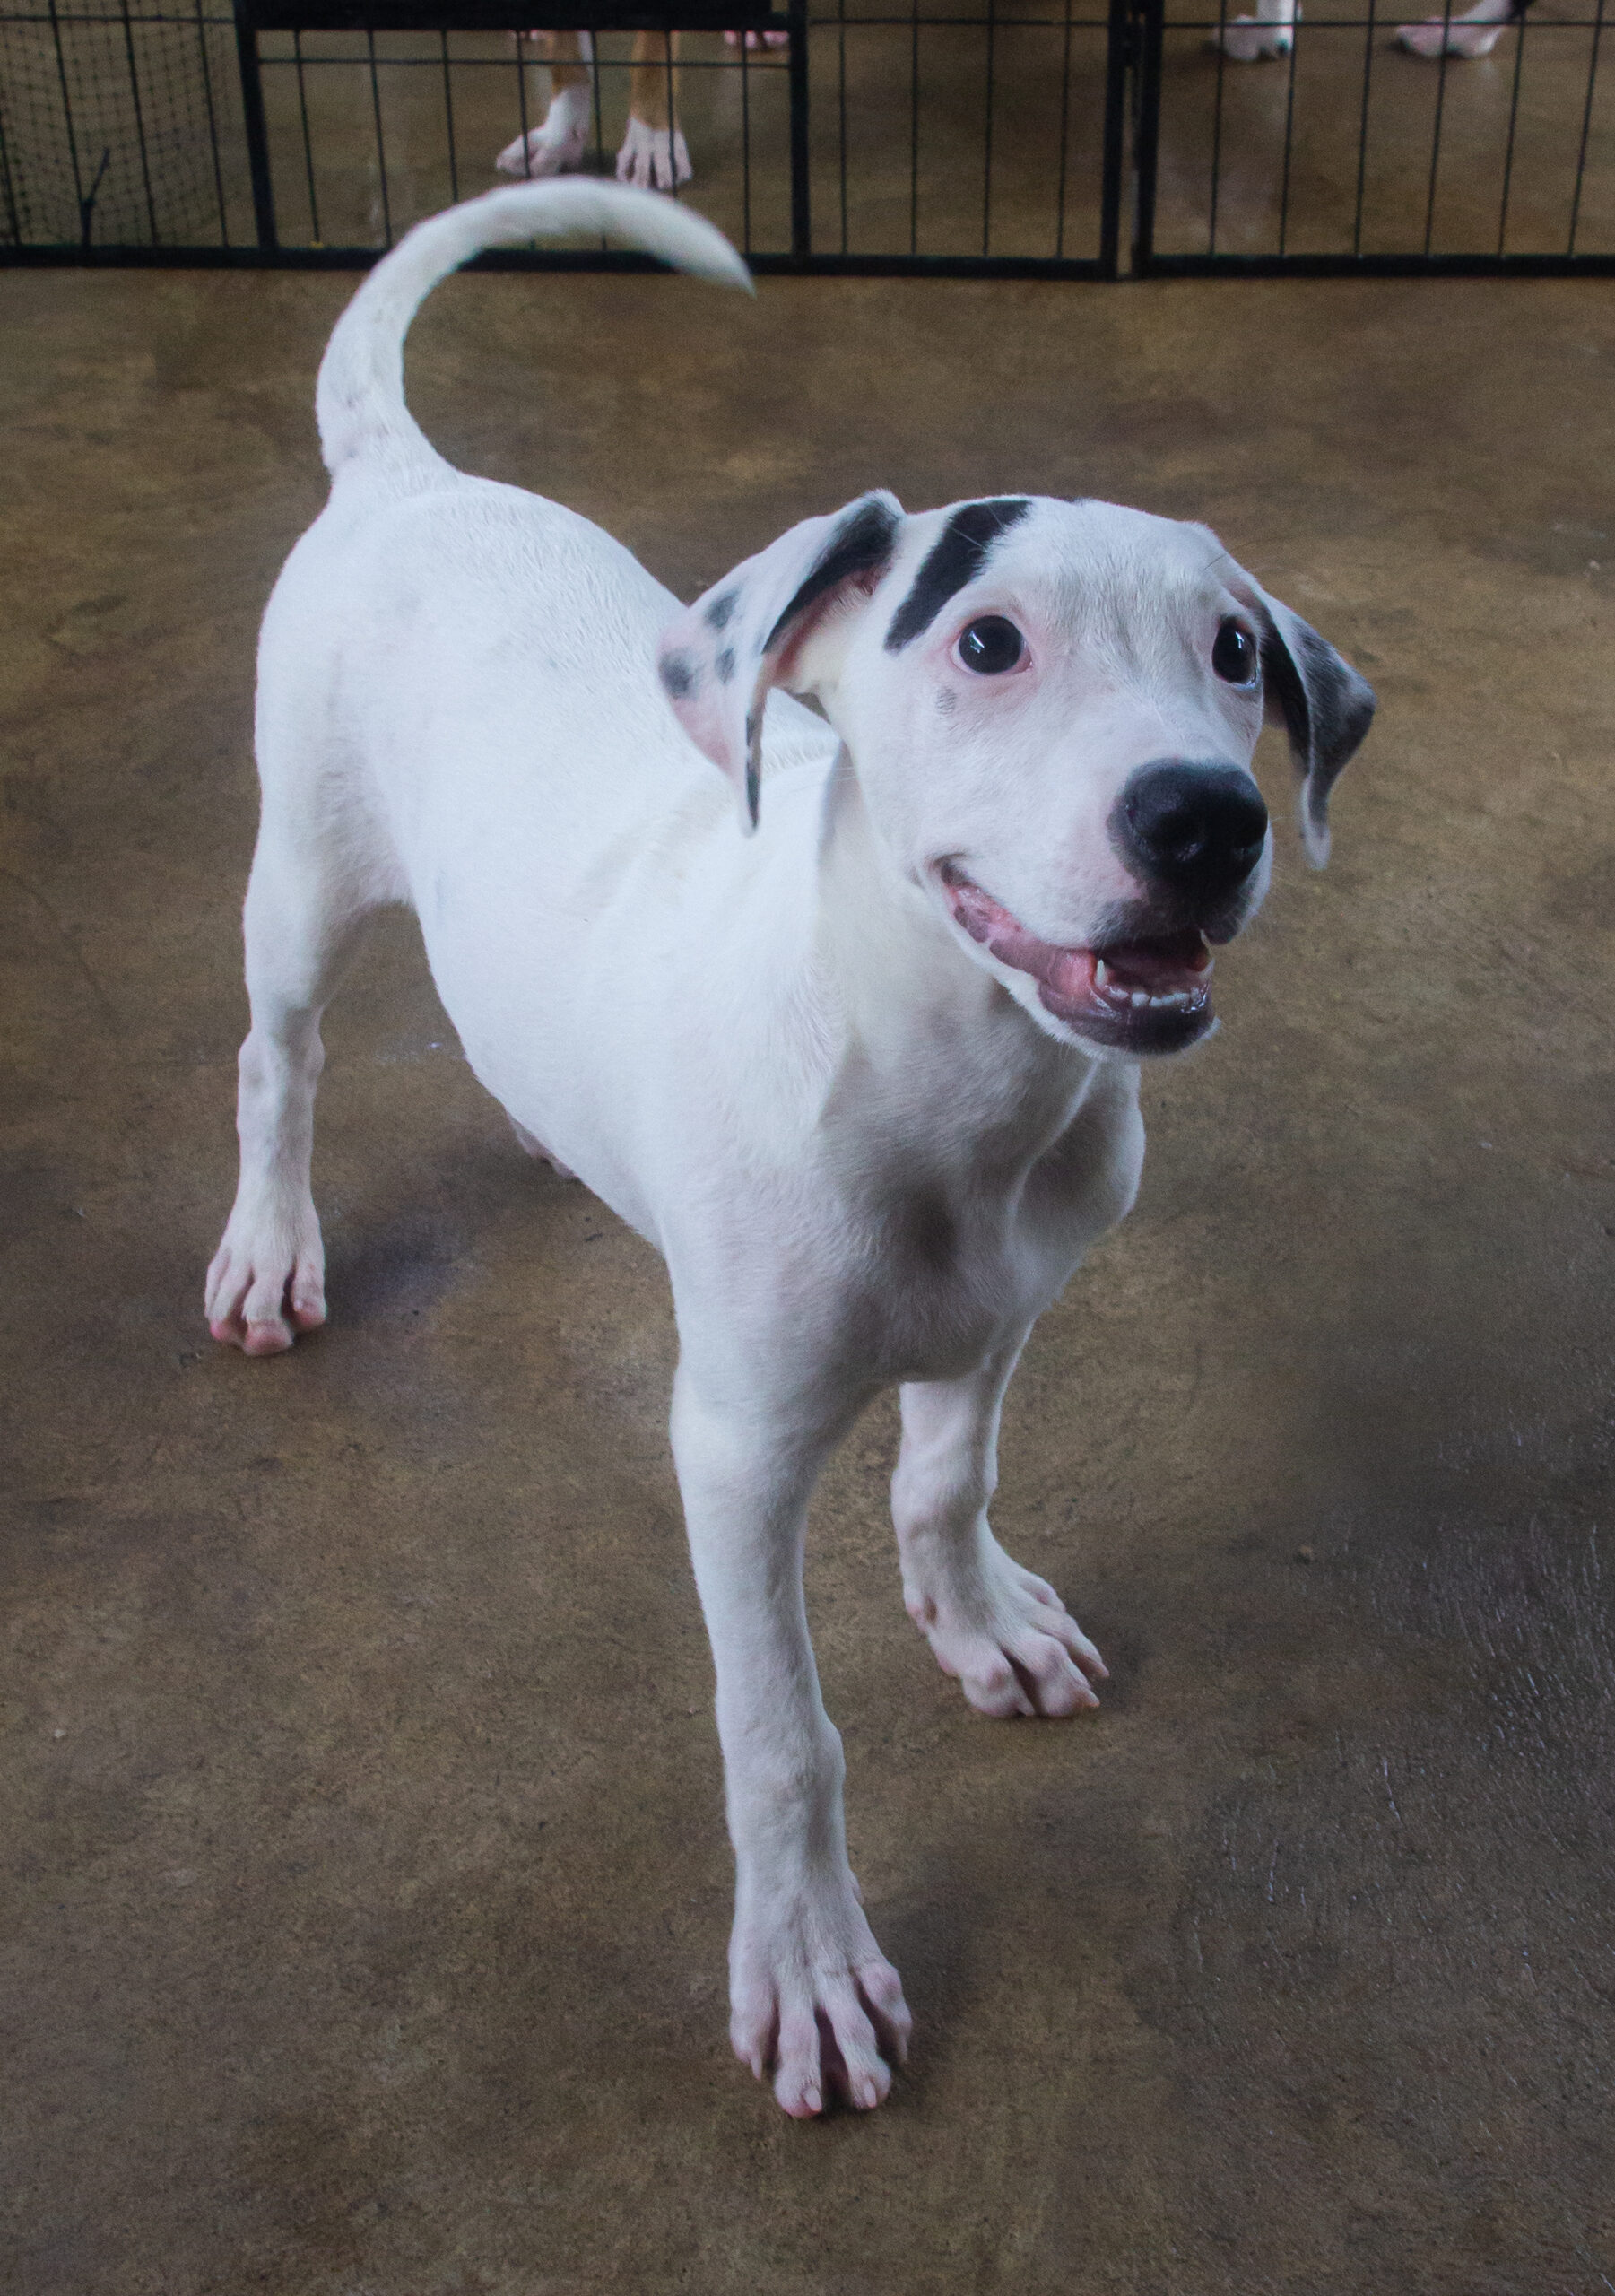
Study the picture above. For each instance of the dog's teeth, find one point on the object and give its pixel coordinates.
(1101, 972)
(1140, 997)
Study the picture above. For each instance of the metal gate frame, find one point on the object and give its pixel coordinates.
(254, 17)
(1129, 160)
(1147, 37)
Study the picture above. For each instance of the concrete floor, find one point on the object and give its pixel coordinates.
(366, 1883)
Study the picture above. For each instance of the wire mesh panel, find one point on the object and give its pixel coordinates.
(1373, 139)
(121, 127)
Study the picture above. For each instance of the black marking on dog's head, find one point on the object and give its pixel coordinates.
(724, 665)
(956, 557)
(721, 611)
(679, 676)
(861, 544)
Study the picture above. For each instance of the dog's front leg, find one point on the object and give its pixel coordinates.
(654, 154)
(560, 140)
(811, 1997)
(1001, 1630)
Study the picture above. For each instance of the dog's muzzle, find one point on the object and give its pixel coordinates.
(1138, 993)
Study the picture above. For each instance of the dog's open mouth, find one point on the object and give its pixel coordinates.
(1134, 996)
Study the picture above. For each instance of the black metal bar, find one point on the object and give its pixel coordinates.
(802, 212)
(833, 266)
(1383, 267)
(595, 75)
(361, 259)
(1065, 132)
(506, 16)
(1290, 129)
(302, 106)
(1147, 22)
(1222, 19)
(1587, 123)
(672, 118)
(387, 204)
(140, 125)
(914, 129)
(73, 141)
(745, 143)
(448, 121)
(521, 103)
(257, 131)
(1514, 114)
(1429, 207)
(482, 63)
(841, 108)
(1362, 132)
(213, 125)
(211, 128)
(14, 213)
(1119, 54)
(987, 160)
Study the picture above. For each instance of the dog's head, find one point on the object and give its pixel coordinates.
(1051, 708)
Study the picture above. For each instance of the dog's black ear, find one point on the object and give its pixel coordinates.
(1326, 706)
(717, 661)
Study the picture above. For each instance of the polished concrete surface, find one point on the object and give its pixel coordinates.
(366, 1888)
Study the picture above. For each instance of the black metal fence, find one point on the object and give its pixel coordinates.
(1071, 138)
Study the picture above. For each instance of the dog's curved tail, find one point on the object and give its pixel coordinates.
(360, 400)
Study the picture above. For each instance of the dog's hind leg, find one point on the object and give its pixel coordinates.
(1001, 1630)
(306, 901)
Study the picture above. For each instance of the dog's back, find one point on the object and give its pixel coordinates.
(458, 710)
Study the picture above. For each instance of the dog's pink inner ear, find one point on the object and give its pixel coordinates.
(717, 661)
(699, 697)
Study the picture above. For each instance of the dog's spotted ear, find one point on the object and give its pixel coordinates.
(747, 633)
(1326, 706)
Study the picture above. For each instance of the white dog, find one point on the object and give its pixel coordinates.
(868, 1079)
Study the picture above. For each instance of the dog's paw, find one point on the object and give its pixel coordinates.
(652, 158)
(1471, 41)
(560, 142)
(1249, 39)
(814, 2003)
(267, 1284)
(1009, 1641)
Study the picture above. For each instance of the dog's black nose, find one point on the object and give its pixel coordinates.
(1199, 829)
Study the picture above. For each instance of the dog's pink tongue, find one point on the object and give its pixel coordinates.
(1067, 973)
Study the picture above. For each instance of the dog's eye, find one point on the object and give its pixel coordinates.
(1234, 654)
(990, 646)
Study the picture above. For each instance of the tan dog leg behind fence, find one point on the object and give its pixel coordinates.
(654, 153)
